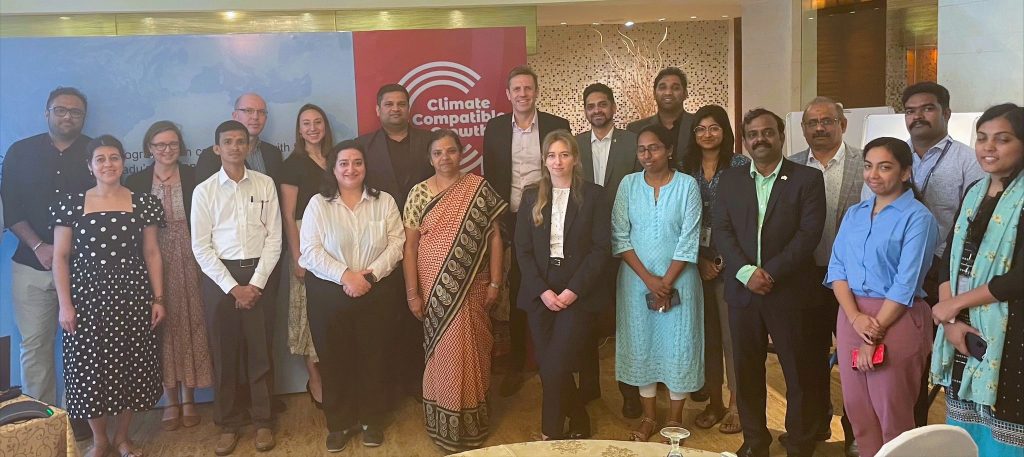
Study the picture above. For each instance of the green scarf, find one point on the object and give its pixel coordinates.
(981, 378)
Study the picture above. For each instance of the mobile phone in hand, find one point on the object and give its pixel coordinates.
(976, 346)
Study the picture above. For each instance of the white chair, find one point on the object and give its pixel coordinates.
(939, 440)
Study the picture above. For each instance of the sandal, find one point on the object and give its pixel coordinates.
(189, 420)
(709, 417)
(128, 449)
(169, 424)
(92, 452)
(639, 434)
(730, 423)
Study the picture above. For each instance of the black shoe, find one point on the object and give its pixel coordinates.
(336, 441)
(747, 451)
(373, 436)
(700, 395)
(850, 448)
(822, 435)
(631, 408)
(81, 429)
(579, 428)
(511, 383)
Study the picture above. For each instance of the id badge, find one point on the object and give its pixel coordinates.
(705, 237)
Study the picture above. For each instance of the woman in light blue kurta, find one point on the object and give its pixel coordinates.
(655, 229)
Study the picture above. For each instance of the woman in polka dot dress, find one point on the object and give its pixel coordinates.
(107, 270)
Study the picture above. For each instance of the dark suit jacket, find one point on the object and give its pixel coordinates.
(682, 142)
(792, 227)
(586, 248)
(621, 160)
(380, 172)
(208, 162)
(142, 182)
(498, 148)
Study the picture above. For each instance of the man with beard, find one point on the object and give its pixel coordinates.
(36, 171)
(766, 228)
(670, 91)
(396, 160)
(512, 161)
(842, 166)
(943, 168)
(251, 110)
(607, 154)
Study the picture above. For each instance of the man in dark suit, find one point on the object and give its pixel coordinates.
(250, 110)
(512, 160)
(767, 226)
(396, 160)
(670, 91)
(607, 154)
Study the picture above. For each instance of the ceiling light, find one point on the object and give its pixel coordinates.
(725, 15)
(661, 19)
(595, 23)
(693, 17)
(64, 18)
(230, 15)
(628, 24)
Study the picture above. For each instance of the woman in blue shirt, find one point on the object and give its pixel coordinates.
(881, 253)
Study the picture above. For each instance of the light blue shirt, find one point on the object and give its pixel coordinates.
(885, 257)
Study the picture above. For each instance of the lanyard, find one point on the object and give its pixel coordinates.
(942, 155)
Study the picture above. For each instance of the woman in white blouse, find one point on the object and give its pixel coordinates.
(562, 242)
(351, 241)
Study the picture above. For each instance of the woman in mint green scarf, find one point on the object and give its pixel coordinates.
(981, 292)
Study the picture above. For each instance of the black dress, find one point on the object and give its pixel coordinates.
(110, 362)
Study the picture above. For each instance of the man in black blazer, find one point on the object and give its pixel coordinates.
(397, 158)
(512, 160)
(607, 154)
(396, 154)
(251, 110)
(767, 225)
(670, 91)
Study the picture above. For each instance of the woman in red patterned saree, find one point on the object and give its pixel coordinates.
(453, 272)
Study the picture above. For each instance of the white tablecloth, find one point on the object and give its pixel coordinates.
(588, 448)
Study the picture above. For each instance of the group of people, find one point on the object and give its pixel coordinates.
(697, 252)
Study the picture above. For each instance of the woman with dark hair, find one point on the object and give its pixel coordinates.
(108, 274)
(453, 273)
(710, 152)
(184, 349)
(879, 259)
(562, 242)
(981, 293)
(659, 304)
(300, 180)
(351, 241)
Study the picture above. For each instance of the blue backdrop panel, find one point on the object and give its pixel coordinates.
(191, 80)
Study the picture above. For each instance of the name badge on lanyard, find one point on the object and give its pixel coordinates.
(942, 155)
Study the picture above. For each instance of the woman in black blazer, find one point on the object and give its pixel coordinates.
(562, 240)
(184, 356)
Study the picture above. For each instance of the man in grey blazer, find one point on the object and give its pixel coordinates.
(607, 154)
(842, 165)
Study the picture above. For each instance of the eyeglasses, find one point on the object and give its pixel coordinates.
(713, 129)
(252, 112)
(61, 111)
(174, 145)
(650, 149)
(826, 122)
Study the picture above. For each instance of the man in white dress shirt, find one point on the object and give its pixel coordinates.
(236, 238)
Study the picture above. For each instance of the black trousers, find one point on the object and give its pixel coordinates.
(603, 325)
(788, 327)
(559, 339)
(516, 317)
(407, 359)
(241, 343)
(822, 329)
(351, 337)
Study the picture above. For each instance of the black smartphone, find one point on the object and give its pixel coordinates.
(976, 346)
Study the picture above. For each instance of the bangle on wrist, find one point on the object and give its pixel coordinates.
(495, 285)
(34, 248)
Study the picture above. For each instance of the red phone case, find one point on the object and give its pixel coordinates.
(876, 359)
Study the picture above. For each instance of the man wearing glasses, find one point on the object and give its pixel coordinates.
(251, 111)
(842, 166)
(36, 171)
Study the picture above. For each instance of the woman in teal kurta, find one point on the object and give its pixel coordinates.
(655, 229)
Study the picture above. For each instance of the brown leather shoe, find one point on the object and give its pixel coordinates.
(226, 443)
(264, 440)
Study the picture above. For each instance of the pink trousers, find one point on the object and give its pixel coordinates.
(880, 403)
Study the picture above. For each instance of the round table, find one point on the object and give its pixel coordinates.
(588, 448)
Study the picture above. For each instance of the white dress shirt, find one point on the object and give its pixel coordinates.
(600, 148)
(526, 159)
(335, 238)
(559, 200)
(833, 173)
(236, 221)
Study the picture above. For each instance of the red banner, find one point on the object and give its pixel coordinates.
(456, 78)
